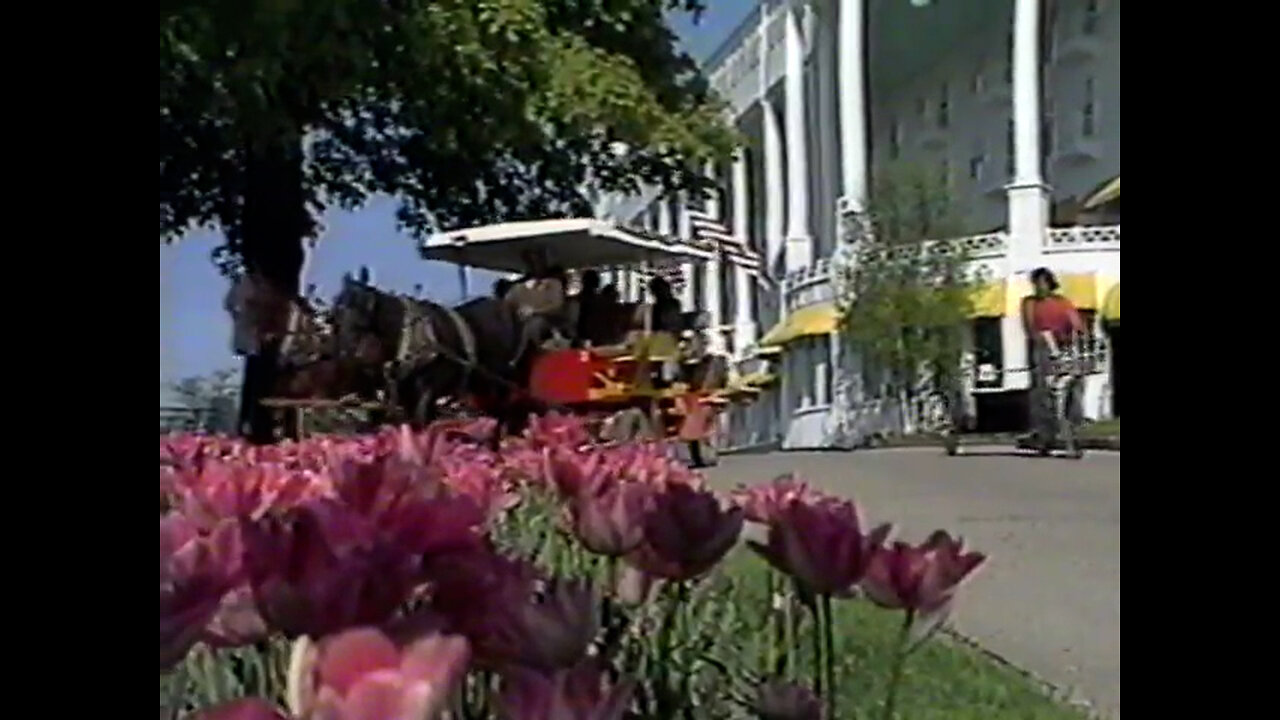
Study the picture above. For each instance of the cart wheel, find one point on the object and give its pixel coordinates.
(951, 444)
(627, 425)
(703, 454)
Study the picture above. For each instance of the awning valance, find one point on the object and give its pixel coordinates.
(819, 319)
(1003, 298)
(1107, 193)
(1110, 311)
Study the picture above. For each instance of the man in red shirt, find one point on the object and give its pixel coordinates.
(1053, 325)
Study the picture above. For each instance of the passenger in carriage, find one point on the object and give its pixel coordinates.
(666, 308)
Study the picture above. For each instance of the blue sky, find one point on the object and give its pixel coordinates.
(195, 333)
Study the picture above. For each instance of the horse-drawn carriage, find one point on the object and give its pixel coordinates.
(520, 351)
(641, 378)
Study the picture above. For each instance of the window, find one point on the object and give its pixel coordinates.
(1010, 149)
(1008, 57)
(922, 107)
(822, 370)
(978, 83)
(1050, 32)
(977, 166)
(988, 353)
(1048, 129)
(1047, 138)
(944, 172)
(1092, 17)
(1089, 112)
(699, 287)
(944, 106)
(895, 139)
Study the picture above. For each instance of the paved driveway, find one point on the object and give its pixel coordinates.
(1048, 600)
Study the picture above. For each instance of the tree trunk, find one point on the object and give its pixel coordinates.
(274, 224)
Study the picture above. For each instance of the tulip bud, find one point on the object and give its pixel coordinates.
(778, 700)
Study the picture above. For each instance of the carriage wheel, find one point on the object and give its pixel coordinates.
(627, 425)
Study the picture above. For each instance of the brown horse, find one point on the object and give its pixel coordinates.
(431, 352)
(290, 352)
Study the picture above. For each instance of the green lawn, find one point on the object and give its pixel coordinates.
(944, 680)
(1103, 428)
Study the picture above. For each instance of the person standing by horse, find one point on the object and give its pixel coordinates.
(260, 320)
(1053, 327)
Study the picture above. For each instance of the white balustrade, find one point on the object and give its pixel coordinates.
(1083, 237)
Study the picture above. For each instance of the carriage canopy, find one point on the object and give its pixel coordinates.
(573, 244)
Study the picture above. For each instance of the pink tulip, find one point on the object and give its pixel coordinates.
(609, 519)
(246, 709)
(323, 567)
(574, 473)
(223, 489)
(361, 674)
(196, 572)
(580, 693)
(686, 533)
(761, 503)
(778, 700)
(821, 545)
(511, 617)
(922, 578)
(557, 430)
(237, 621)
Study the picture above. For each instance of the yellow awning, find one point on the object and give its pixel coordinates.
(1081, 289)
(989, 299)
(759, 379)
(1108, 193)
(1111, 306)
(820, 319)
(768, 351)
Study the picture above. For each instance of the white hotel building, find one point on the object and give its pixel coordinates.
(1015, 102)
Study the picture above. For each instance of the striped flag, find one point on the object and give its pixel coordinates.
(711, 233)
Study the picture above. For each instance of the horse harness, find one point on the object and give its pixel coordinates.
(420, 342)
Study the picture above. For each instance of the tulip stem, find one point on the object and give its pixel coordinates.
(899, 661)
(829, 667)
(665, 696)
(772, 657)
(789, 632)
(818, 631)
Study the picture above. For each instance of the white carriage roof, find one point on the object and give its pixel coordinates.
(571, 244)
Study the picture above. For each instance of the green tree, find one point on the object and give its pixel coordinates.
(905, 294)
(468, 111)
(211, 398)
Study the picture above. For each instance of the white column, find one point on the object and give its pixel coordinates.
(744, 331)
(711, 280)
(853, 107)
(799, 240)
(1028, 196)
(774, 210)
(687, 270)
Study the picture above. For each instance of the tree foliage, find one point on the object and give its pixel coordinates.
(467, 110)
(906, 293)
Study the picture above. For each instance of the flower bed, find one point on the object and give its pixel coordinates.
(413, 576)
